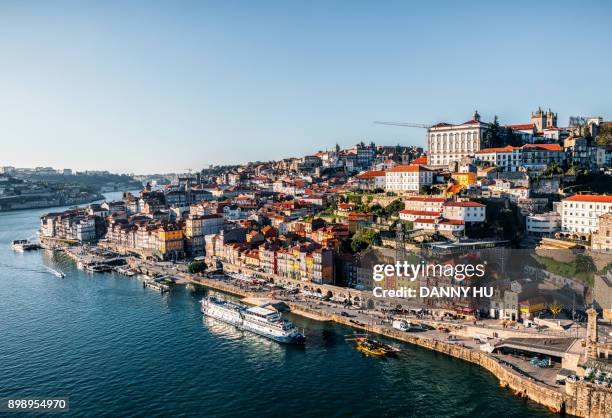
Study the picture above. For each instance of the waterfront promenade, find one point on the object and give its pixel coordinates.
(448, 337)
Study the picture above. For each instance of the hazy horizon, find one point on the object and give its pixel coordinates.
(154, 87)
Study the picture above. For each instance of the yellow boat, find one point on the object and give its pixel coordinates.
(373, 347)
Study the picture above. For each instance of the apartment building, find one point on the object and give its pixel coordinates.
(371, 180)
(467, 212)
(580, 214)
(407, 178)
(506, 158)
(422, 203)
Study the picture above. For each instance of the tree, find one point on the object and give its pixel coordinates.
(426, 189)
(555, 308)
(552, 169)
(573, 171)
(394, 207)
(585, 264)
(363, 239)
(196, 267)
(500, 136)
(605, 135)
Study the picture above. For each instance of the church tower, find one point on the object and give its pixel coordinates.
(551, 119)
(538, 118)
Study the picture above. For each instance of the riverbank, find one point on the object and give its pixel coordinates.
(18, 203)
(575, 399)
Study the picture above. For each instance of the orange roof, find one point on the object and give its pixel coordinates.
(371, 174)
(425, 199)
(420, 160)
(547, 147)
(424, 221)
(407, 169)
(521, 127)
(452, 222)
(465, 204)
(594, 198)
(489, 150)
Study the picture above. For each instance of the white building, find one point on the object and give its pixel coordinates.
(413, 215)
(447, 227)
(371, 180)
(86, 229)
(407, 178)
(544, 224)
(507, 158)
(448, 143)
(464, 211)
(580, 213)
(422, 203)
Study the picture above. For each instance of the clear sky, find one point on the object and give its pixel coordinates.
(165, 86)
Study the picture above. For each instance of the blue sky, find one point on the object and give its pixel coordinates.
(165, 86)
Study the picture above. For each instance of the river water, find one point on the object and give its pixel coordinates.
(116, 349)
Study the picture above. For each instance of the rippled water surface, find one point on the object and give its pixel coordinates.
(116, 349)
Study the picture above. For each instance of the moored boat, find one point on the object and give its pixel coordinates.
(373, 347)
(262, 320)
(23, 245)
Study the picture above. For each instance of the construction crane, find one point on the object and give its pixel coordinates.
(405, 124)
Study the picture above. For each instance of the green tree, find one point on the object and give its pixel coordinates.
(552, 169)
(555, 308)
(585, 264)
(196, 267)
(604, 137)
(394, 208)
(573, 171)
(363, 239)
(426, 189)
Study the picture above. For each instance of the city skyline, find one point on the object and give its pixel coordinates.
(165, 88)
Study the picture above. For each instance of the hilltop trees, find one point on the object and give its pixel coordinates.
(499, 136)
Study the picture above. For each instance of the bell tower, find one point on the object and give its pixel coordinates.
(551, 119)
(538, 118)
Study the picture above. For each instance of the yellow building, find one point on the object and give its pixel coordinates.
(170, 240)
(464, 179)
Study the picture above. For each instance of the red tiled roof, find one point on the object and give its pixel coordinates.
(547, 147)
(490, 150)
(452, 222)
(371, 174)
(465, 204)
(407, 169)
(420, 160)
(589, 198)
(425, 199)
(521, 126)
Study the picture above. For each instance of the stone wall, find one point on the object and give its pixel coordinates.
(591, 400)
(580, 399)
